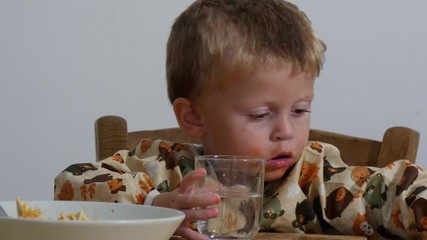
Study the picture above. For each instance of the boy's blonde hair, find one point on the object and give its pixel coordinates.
(213, 39)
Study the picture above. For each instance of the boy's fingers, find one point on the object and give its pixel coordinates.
(191, 201)
(212, 187)
(200, 214)
(187, 183)
(188, 233)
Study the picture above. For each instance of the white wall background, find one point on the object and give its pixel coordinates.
(63, 64)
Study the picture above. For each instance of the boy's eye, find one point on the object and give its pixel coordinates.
(300, 112)
(259, 116)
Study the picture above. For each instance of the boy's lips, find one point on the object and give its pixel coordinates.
(281, 160)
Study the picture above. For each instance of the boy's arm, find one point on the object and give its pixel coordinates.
(388, 202)
(125, 177)
(131, 177)
(109, 180)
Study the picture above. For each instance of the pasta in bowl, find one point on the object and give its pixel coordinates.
(25, 211)
(105, 221)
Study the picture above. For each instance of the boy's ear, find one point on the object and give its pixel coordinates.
(188, 118)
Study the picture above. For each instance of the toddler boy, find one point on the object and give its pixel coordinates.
(241, 77)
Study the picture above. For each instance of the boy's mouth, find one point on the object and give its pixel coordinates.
(281, 160)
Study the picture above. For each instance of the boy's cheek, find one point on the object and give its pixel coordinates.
(255, 152)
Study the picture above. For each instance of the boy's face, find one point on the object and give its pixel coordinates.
(263, 114)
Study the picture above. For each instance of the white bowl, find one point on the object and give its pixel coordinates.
(108, 221)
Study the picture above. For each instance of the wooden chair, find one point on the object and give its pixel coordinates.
(111, 135)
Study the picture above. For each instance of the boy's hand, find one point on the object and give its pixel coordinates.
(184, 199)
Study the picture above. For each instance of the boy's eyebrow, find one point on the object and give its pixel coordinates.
(308, 97)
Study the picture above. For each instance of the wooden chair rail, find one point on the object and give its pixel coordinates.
(111, 135)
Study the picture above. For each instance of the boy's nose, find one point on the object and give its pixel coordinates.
(283, 130)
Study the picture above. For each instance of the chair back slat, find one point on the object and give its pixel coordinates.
(111, 135)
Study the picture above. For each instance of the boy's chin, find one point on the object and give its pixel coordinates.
(274, 175)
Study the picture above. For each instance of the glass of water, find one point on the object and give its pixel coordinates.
(239, 181)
